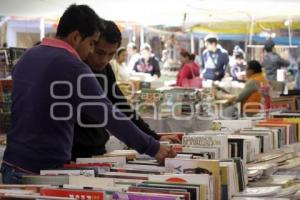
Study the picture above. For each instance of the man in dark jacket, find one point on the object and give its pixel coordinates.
(214, 59)
(91, 141)
(272, 61)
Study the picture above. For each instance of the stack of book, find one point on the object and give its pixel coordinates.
(166, 102)
(5, 104)
(8, 58)
(257, 160)
(4, 64)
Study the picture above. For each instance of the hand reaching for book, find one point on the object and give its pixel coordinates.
(170, 138)
(164, 152)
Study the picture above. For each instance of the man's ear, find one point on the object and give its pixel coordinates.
(75, 38)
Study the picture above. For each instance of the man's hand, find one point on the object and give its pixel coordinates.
(164, 152)
(170, 138)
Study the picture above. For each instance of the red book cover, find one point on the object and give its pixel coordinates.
(83, 165)
(179, 134)
(78, 194)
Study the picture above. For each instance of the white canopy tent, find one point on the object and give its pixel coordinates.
(185, 13)
(165, 12)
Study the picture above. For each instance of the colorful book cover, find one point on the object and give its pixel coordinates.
(199, 179)
(197, 166)
(209, 141)
(78, 194)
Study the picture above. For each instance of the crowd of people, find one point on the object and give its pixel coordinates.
(216, 65)
(215, 62)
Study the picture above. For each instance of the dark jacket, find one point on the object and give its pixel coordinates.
(91, 141)
(272, 62)
(214, 64)
(152, 67)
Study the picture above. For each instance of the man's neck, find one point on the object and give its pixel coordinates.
(65, 40)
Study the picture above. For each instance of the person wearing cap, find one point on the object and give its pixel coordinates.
(214, 59)
(147, 63)
(272, 61)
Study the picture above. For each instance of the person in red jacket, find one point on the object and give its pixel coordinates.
(189, 68)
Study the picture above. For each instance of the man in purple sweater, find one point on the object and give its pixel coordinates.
(52, 88)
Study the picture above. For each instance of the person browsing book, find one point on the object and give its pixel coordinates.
(52, 88)
(250, 97)
(189, 68)
(91, 141)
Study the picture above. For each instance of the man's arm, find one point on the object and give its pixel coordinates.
(92, 103)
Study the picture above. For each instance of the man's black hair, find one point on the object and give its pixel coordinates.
(79, 18)
(212, 40)
(255, 66)
(269, 44)
(111, 33)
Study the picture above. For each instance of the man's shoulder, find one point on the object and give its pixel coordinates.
(205, 52)
(222, 51)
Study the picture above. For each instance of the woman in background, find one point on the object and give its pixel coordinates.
(119, 67)
(189, 69)
(251, 97)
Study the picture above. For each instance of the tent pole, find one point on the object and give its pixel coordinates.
(290, 33)
(192, 43)
(42, 28)
(142, 35)
(246, 40)
(251, 31)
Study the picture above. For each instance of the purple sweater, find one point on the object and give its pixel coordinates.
(37, 141)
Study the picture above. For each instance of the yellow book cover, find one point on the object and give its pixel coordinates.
(294, 120)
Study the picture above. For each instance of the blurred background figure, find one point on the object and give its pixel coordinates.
(119, 67)
(272, 61)
(215, 59)
(148, 63)
(238, 69)
(297, 85)
(189, 69)
(164, 59)
(133, 55)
